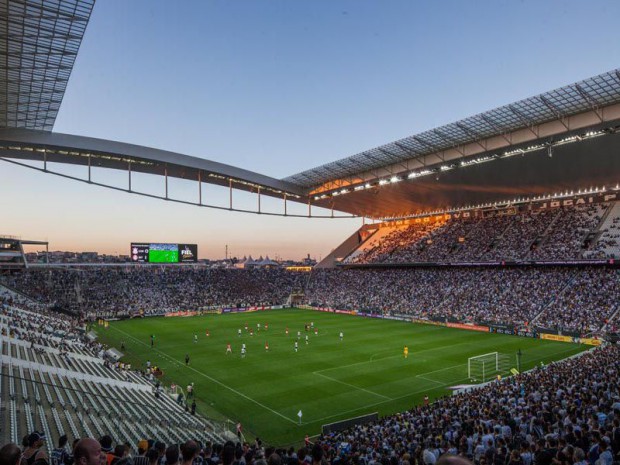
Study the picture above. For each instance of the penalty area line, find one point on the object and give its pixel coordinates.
(409, 394)
(350, 385)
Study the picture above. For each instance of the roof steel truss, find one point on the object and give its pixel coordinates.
(39, 41)
(588, 95)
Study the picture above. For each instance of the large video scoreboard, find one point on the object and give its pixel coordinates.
(144, 252)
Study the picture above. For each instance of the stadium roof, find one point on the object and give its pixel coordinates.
(589, 94)
(39, 41)
(53, 147)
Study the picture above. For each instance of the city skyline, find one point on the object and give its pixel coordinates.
(279, 88)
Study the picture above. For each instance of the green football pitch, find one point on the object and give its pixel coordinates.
(328, 379)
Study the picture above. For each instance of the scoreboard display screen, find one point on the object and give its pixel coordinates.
(145, 252)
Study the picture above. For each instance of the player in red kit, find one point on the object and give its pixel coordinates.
(228, 349)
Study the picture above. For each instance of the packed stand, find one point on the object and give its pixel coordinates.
(553, 297)
(554, 234)
(398, 246)
(590, 292)
(567, 413)
(506, 295)
(440, 245)
(553, 415)
(515, 242)
(111, 292)
(607, 244)
(568, 232)
(481, 240)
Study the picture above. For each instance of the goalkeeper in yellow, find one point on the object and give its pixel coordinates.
(406, 351)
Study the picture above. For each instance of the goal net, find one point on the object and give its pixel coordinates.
(486, 367)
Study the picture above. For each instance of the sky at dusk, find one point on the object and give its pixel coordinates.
(280, 86)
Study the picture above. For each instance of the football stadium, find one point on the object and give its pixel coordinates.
(470, 318)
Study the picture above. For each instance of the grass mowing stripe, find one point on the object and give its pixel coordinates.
(214, 380)
(385, 401)
(357, 371)
(318, 373)
(413, 354)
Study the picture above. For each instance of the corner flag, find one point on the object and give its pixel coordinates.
(299, 414)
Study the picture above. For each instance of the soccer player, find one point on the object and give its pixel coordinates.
(243, 351)
(298, 334)
(251, 332)
(186, 359)
(316, 331)
(266, 326)
(207, 333)
(228, 349)
(286, 331)
(239, 332)
(152, 340)
(246, 326)
(195, 338)
(341, 335)
(296, 346)
(266, 346)
(406, 351)
(306, 339)
(258, 327)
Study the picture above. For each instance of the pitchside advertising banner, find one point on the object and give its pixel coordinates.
(219, 310)
(582, 340)
(493, 328)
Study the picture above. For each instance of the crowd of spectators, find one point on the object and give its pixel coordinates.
(524, 228)
(578, 299)
(399, 245)
(553, 234)
(108, 292)
(565, 298)
(590, 292)
(565, 413)
(608, 243)
(566, 236)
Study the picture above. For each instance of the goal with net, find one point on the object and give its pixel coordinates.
(485, 367)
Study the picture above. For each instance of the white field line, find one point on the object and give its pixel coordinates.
(428, 379)
(452, 382)
(350, 385)
(319, 372)
(240, 394)
(372, 359)
(423, 375)
(409, 394)
(443, 369)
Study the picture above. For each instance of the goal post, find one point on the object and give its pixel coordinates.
(487, 366)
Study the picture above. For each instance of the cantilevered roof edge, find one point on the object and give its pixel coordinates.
(590, 94)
